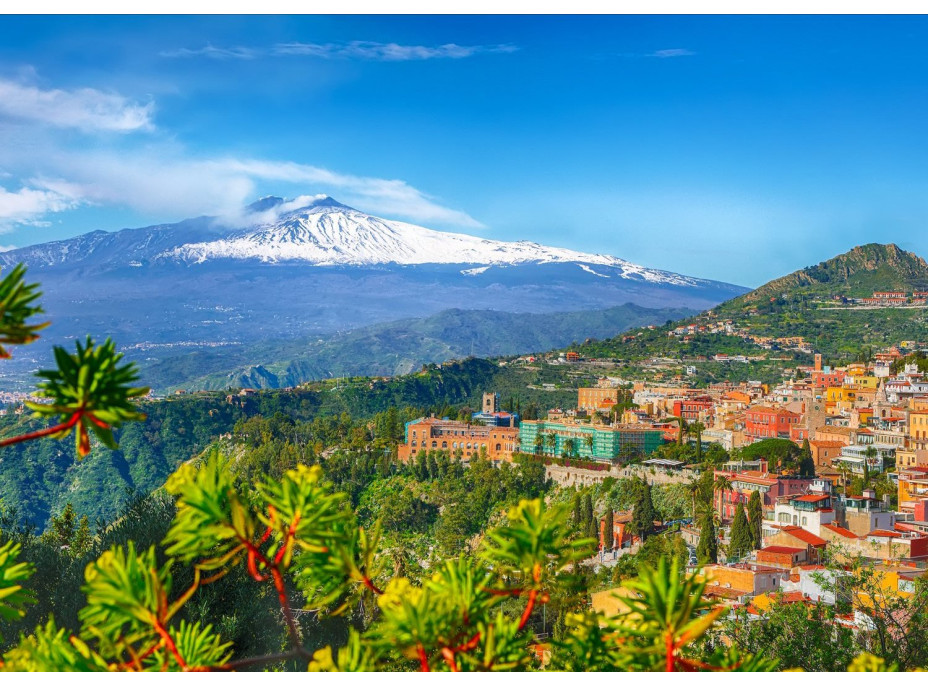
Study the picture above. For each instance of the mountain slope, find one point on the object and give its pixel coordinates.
(856, 273)
(809, 303)
(298, 269)
(395, 347)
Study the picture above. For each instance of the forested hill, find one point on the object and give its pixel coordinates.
(38, 478)
(810, 303)
(393, 348)
(856, 273)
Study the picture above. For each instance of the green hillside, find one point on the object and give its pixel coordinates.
(815, 303)
(395, 348)
(856, 273)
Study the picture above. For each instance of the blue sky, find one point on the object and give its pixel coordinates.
(733, 148)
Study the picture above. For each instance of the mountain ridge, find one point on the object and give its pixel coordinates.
(856, 272)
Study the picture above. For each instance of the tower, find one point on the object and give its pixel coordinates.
(490, 403)
(818, 362)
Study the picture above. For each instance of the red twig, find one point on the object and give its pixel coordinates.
(169, 643)
(370, 584)
(505, 591)
(41, 433)
(529, 606)
(423, 658)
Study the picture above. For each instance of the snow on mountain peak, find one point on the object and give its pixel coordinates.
(321, 231)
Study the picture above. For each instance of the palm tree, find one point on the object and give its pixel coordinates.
(570, 447)
(869, 454)
(692, 487)
(845, 470)
(696, 429)
(683, 427)
(539, 442)
(588, 441)
(551, 441)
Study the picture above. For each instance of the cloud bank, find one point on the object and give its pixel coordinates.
(152, 174)
(85, 109)
(357, 50)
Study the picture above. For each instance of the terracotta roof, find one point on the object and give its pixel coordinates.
(841, 531)
(804, 536)
(792, 597)
(827, 444)
(883, 533)
(780, 549)
(812, 498)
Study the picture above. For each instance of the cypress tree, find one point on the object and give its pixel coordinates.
(740, 534)
(755, 518)
(578, 515)
(806, 463)
(643, 513)
(610, 526)
(587, 510)
(708, 549)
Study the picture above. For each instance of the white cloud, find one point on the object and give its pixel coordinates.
(387, 196)
(362, 50)
(209, 50)
(174, 185)
(672, 52)
(28, 205)
(86, 109)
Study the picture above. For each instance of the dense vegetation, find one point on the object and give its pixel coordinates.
(37, 479)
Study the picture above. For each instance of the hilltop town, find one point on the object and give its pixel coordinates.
(837, 456)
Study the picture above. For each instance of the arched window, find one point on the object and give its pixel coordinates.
(434, 444)
(444, 444)
(498, 446)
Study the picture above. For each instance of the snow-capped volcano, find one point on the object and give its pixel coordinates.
(313, 267)
(327, 233)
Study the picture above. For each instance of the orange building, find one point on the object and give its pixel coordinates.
(458, 438)
(913, 487)
(747, 577)
(769, 422)
(824, 452)
(597, 399)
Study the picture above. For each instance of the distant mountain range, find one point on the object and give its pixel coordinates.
(314, 268)
(393, 348)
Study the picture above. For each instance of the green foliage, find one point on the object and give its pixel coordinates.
(17, 304)
(741, 542)
(707, 551)
(91, 392)
(755, 519)
(803, 636)
(643, 514)
(665, 618)
(13, 597)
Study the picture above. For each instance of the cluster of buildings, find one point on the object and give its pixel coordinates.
(579, 433)
(891, 298)
(709, 325)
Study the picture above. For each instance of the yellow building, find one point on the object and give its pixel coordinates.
(869, 382)
(918, 425)
(913, 486)
(597, 399)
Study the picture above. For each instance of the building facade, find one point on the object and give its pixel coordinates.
(459, 439)
(588, 440)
